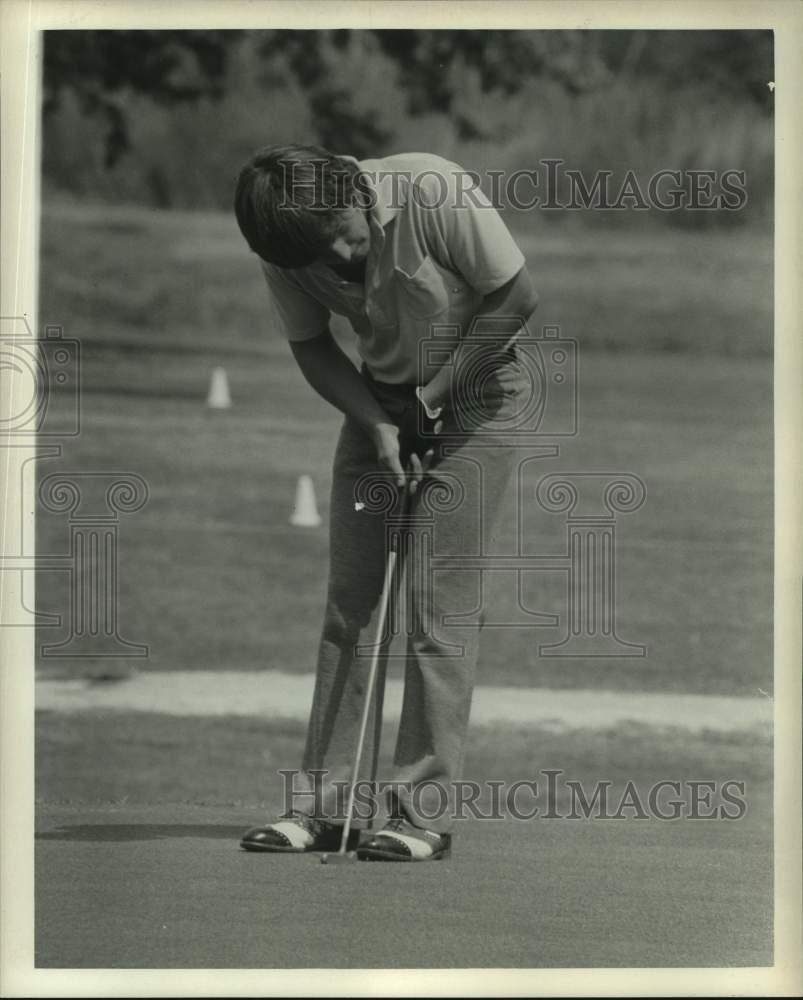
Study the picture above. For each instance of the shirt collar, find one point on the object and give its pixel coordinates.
(388, 190)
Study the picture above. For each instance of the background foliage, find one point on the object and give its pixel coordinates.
(166, 118)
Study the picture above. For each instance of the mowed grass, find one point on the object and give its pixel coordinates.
(139, 758)
(139, 817)
(675, 386)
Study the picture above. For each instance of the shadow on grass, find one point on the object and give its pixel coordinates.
(104, 832)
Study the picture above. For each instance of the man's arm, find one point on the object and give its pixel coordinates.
(334, 377)
(517, 298)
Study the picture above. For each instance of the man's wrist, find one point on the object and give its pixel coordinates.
(379, 428)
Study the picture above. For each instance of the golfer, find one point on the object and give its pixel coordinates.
(410, 255)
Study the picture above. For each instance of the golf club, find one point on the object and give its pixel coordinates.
(343, 856)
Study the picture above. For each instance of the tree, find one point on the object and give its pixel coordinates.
(431, 66)
(167, 66)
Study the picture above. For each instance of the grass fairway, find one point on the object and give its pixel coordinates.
(674, 386)
(116, 758)
(138, 865)
(166, 887)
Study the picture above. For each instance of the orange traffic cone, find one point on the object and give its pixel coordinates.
(305, 513)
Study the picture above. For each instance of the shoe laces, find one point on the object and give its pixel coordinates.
(401, 823)
(309, 823)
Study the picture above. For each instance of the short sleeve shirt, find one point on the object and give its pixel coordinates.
(438, 247)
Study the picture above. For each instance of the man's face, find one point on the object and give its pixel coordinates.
(352, 240)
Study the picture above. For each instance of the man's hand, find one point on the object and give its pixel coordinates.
(416, 430)
(334, 377)
(394, 453)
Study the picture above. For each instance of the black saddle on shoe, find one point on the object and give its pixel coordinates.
(296, 833)
(399, 840)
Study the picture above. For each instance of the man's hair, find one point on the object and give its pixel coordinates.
(288, 199)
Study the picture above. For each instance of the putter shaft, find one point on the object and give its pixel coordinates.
(384, 601)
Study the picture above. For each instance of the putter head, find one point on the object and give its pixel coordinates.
(348, 858)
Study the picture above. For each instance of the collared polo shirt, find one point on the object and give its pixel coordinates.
(437, 248)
